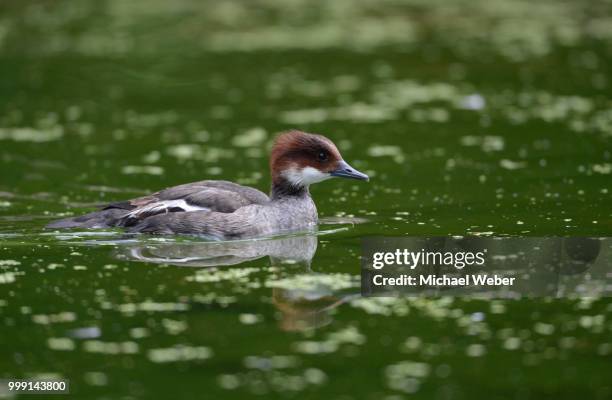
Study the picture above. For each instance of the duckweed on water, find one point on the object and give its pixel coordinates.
(333, 341)
(61, 344)
(150, 306)
(406, 375)
(179, 353)
(471, 117)
(7, 277)
(44, 319)
(31, 134)
(234, 275)
(142, 169)
(472, 27)
(313, 282)
(113, 348)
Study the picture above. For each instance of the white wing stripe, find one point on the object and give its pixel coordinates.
(165, 206)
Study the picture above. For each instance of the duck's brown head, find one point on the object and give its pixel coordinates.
(301, 159)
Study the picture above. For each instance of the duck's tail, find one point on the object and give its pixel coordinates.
(95, 220)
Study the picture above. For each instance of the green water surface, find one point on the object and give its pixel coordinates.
(471, 117)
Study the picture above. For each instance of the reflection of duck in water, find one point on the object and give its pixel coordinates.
(295, 249)
(300, 308)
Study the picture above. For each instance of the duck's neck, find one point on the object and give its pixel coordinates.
(282, 189)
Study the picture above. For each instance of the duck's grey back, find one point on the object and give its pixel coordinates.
(211, 196)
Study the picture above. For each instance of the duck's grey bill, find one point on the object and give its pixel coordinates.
(346, 171)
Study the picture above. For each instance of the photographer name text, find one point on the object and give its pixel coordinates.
(443, 280)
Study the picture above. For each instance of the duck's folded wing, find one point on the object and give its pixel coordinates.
(212, 196)
(249, 221)
(215, 196)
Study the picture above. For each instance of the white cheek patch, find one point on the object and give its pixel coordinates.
(305, 176)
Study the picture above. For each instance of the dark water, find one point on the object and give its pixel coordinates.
(472, 118)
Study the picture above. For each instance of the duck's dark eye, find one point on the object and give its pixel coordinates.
(322, 156)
